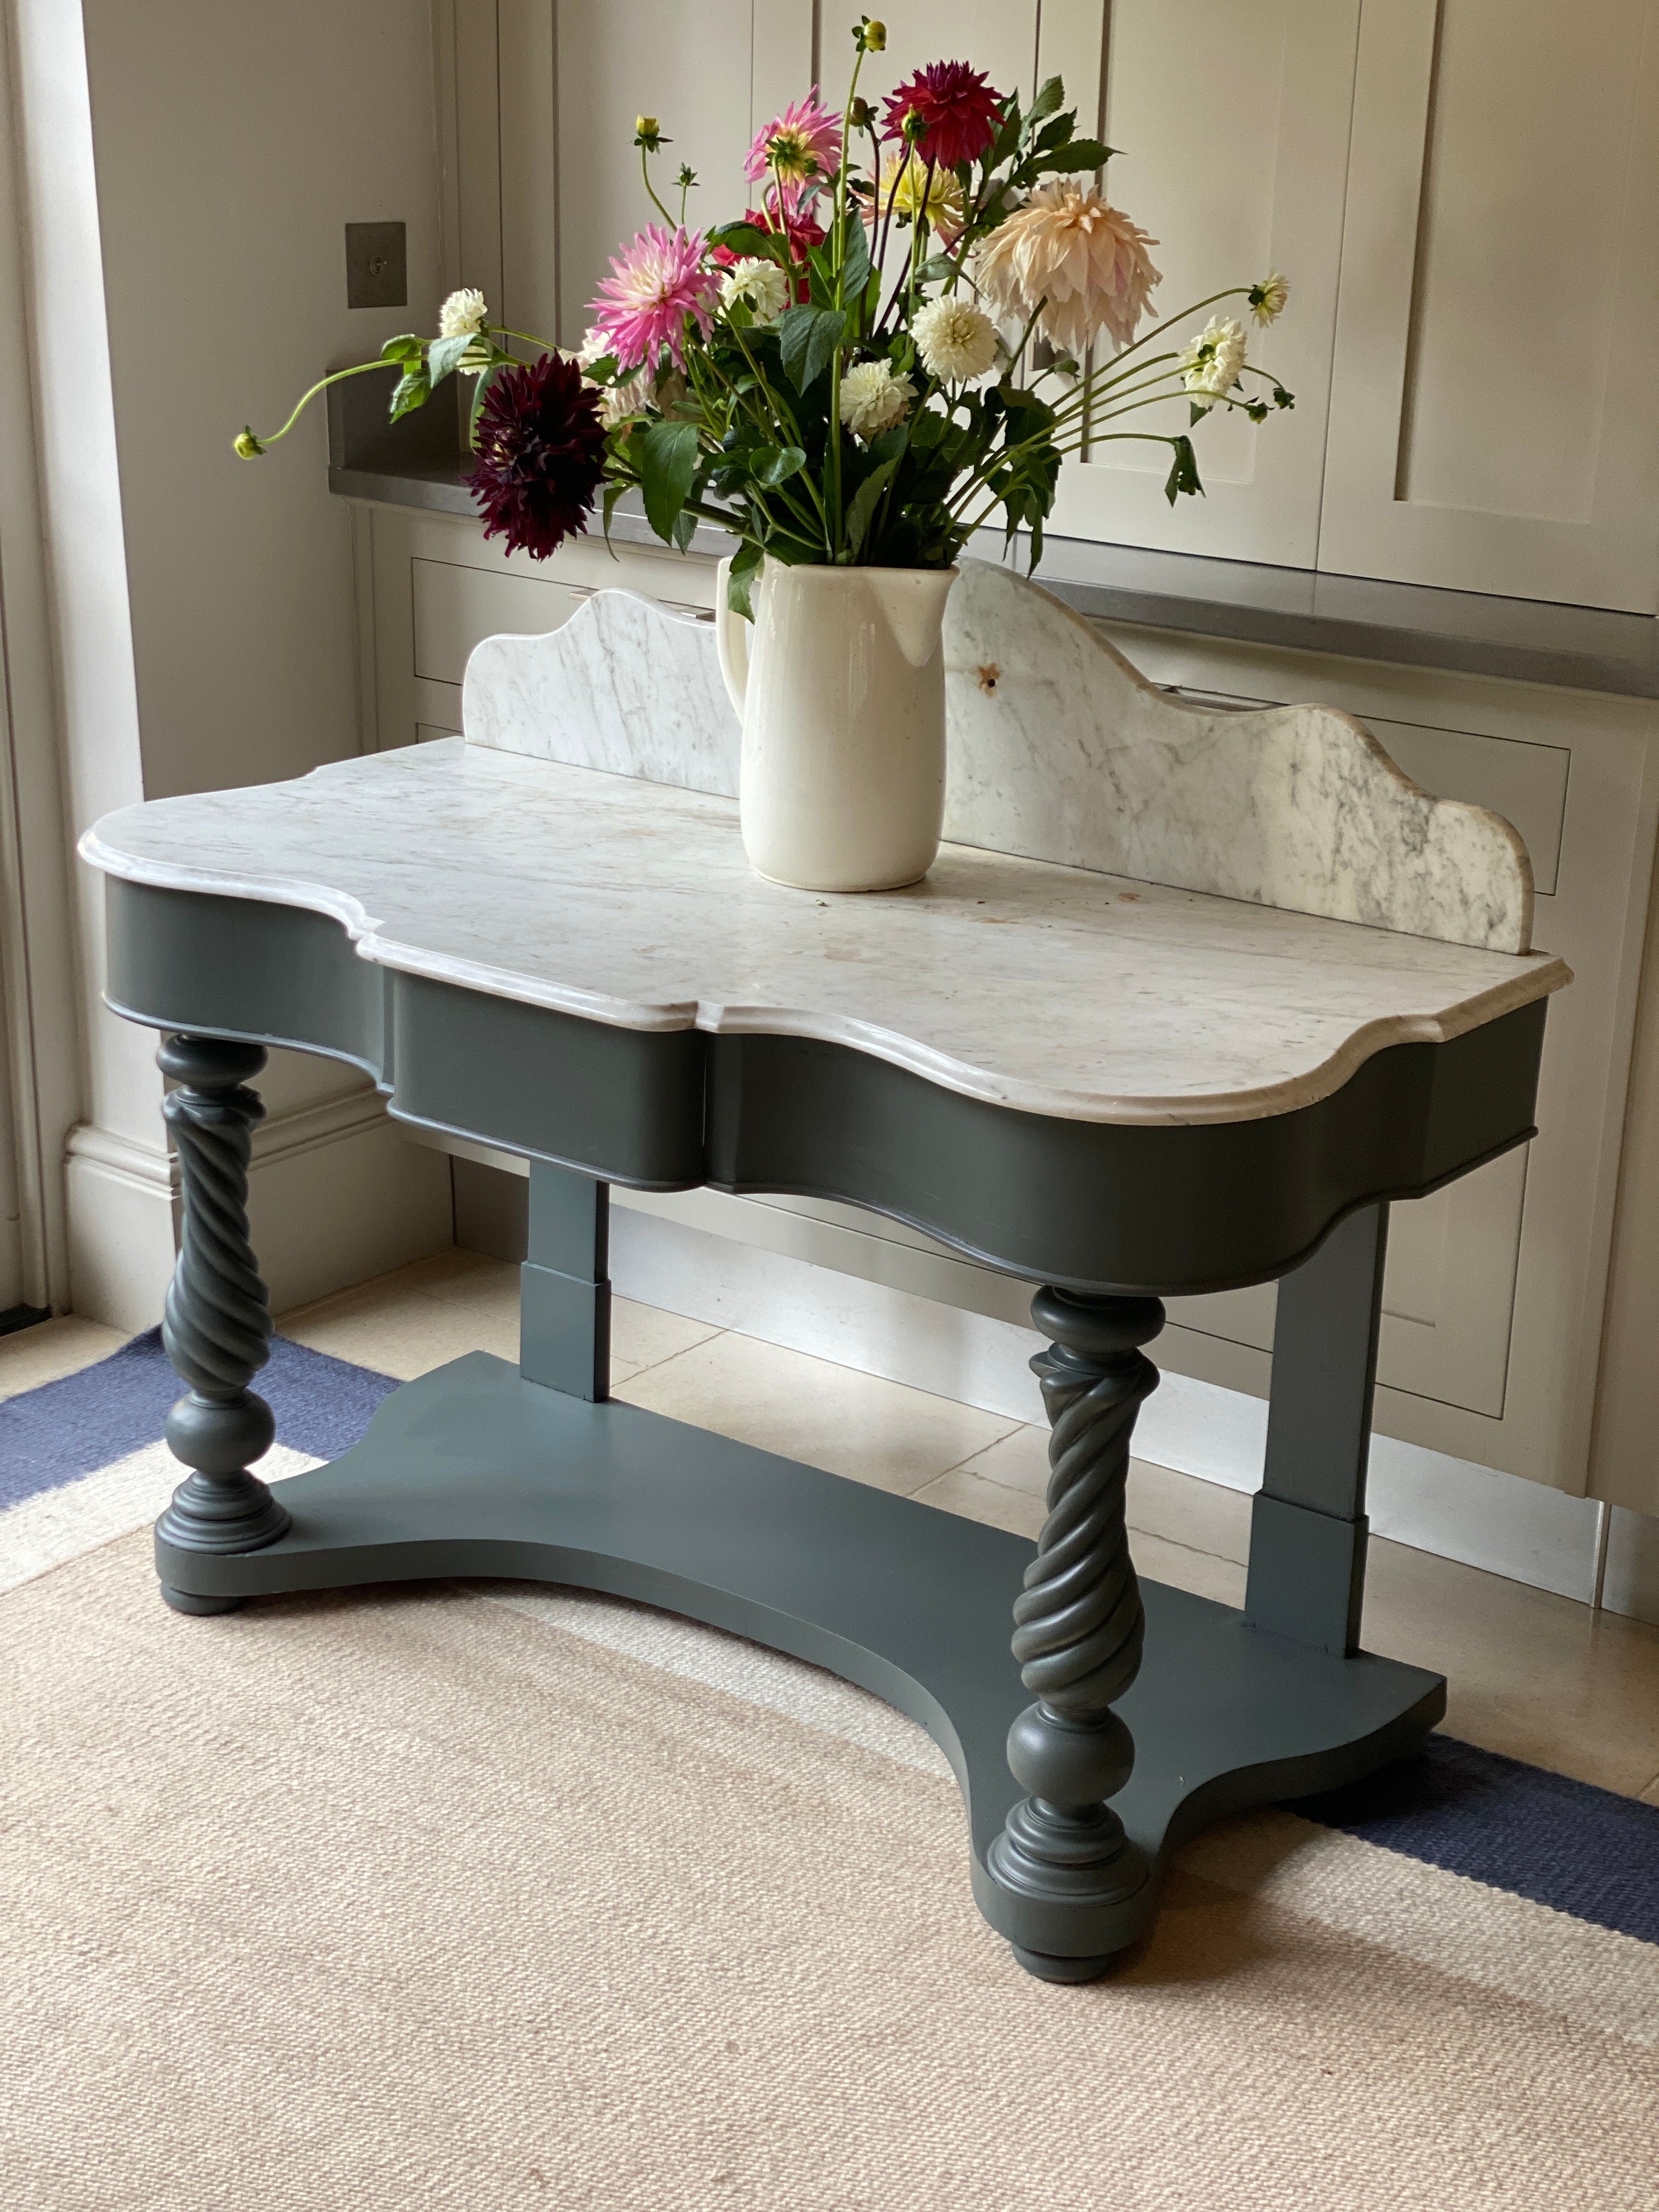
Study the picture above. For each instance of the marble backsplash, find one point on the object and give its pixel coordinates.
(1059, 750)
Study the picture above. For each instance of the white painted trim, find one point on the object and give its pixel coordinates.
(336, 1193)
(36, 922)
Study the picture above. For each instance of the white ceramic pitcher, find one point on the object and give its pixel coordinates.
(841, 690)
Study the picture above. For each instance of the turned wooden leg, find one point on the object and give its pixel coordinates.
(216, 1324)
(1079, 1623)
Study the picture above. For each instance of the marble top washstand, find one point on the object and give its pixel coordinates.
(1189, 998)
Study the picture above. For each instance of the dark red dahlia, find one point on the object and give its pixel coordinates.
(541, 455)
(957, 111)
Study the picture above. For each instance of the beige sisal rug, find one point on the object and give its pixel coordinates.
(486, 1899)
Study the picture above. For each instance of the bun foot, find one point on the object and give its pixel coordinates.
(187, 1601)
(1047, 1968)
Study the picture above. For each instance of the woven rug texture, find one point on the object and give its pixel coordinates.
(488, 1897)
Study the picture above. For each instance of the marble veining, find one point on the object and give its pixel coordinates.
(625, 685)
(1058, 750)
(1052, 989)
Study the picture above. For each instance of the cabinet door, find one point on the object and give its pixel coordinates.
(1492, 426)
(1232, 125)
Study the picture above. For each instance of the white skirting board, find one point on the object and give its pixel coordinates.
(1486, 1519)
(336, 1193)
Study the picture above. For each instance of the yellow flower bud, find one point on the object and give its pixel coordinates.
(247, 445)
(875, 37)
(645, 125)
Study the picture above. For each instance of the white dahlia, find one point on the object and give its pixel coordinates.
(1268, 297)
(463, 314)
(1211, 363)
(872, 398)
(761, 285)
(956, 340)
(1085, 261)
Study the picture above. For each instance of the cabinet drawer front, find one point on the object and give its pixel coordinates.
(456, 607)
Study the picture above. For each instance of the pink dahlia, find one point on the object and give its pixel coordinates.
(957, 114)
(541, 454)
(655, 284)
(803, 142)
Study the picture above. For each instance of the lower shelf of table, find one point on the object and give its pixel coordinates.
(473, 1471)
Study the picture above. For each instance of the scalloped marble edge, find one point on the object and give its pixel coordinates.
(626, 685)
(1059, 750)
(1540, 976)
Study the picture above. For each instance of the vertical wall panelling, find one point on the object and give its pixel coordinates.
(691, 68)
(1624, 1456)
(478, 164)
(997, 36)
(783, 63)
(1233, 130)
(1492, 427)
(529, 181)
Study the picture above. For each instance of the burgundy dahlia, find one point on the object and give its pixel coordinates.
(541, 455)
(957, 114)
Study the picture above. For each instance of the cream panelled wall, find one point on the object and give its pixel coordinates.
(1465, 194)
(1232, 127)
(1492, 419)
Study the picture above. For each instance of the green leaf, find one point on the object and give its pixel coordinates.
(807, 337)
(413, 391)
(855, 265)
(1051, 97)
(748, 242)
(480, 386)
(444, 355)
(668, 462)
(685, 529)
(1057, 133)
(862, 505)
(740, 577)
(407, 348)
(613, 492)
(775, 465)
(1080, 153)
(1183, 473)
(1008, 136)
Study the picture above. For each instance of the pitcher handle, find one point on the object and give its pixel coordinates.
(731, 638)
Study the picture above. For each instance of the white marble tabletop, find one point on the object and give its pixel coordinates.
(1051, 989)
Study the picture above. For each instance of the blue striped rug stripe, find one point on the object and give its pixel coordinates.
(1539, 1835)
(69, 1428)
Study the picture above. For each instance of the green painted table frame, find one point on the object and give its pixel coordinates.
(1122, 1715)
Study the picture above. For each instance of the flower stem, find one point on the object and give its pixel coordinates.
(338, 376)
(645, 171)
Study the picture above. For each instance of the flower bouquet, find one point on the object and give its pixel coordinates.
(928, 305)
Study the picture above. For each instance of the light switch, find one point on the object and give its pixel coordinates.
(377, 264)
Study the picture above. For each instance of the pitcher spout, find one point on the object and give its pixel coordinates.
(913, 602)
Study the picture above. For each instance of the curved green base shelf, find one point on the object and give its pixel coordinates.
(472, 1470)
